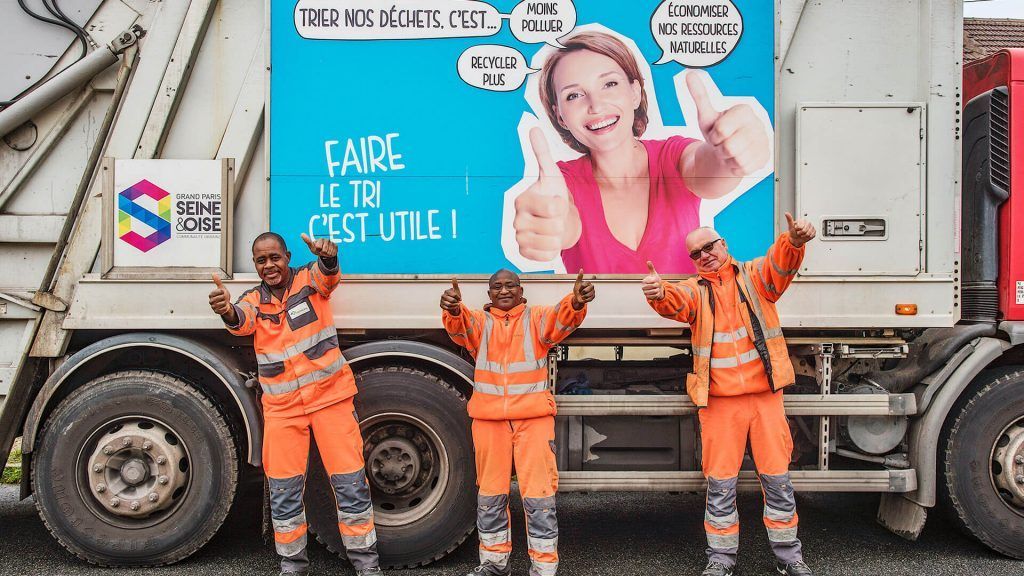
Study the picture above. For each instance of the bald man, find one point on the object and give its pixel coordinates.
(740, 365)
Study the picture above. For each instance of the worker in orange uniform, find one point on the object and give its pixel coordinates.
(513, 411)
(740, 366)
(307, 385)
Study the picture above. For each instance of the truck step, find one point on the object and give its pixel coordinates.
(680, 405)
(896, 481)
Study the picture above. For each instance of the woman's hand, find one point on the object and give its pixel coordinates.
(545, 218)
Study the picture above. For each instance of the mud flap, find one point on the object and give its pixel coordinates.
(901, 516)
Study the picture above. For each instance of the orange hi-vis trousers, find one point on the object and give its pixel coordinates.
(726, 424)
(530, 444)
(285, 456)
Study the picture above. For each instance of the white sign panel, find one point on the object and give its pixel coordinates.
(167, 213)
(1020, 292)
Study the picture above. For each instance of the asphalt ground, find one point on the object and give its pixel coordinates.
(602, 534)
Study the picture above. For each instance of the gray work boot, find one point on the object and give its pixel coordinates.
(717, 569)
(370, 572)
(797, 568)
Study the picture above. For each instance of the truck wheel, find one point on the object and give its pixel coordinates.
(136, 468)
(419, 462)
(984, 464)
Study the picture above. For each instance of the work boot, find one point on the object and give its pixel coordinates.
(715, 568)
(290, 573)
(797, 568)
(370, 572)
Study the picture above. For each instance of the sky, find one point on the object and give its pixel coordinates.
(994, 9)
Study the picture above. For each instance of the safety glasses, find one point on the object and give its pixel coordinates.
(695, 255)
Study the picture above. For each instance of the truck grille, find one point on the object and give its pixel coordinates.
(999, 138)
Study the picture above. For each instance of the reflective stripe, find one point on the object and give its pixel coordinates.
(524, 366)
(297, 348)
(543, 544)
(305, 379)
(494, 538)
(360, 542)
(782, 534)
(781, 271)
(733, 361)
(285, 526)
(721, 522)
(702, 351)
(730, 336)
(357, 519)
(499, 559)
(723, 541)
(291, 548)
(777, 515)
(520, 389)
(772, 333)
(491, 389)
(543, 568)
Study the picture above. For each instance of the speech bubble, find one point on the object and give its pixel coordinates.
(535, 21)
(696, 33)
(394, 20)
(493, 67)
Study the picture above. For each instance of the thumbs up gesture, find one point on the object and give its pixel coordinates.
(582, 292)
(322, 248)
(800, 231)
(737, 136)
(220, 301)
(451, 300)
(652, 286)
(542, 211)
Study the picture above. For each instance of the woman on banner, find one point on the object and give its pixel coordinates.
(626, 200)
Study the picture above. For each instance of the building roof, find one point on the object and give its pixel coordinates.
(986, 36)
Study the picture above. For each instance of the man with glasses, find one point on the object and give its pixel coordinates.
(513, 411)
(740, 365)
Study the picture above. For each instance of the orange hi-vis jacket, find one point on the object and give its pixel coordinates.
(738, 347)
(301, 368)
(511, 352)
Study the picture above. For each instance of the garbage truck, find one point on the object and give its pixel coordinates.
(146, 144)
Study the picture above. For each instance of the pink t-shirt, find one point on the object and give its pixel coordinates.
(673, 211)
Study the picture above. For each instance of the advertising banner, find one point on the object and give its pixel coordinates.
(545, 136)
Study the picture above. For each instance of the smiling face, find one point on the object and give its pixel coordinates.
(505, 290)
(595, 100)
(271, 260)
(707, 262)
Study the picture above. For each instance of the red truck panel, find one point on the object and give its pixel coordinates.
(1006, 68)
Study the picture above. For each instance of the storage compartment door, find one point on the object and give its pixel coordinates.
(860, 180)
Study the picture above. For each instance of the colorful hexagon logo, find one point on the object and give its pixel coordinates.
(128, 210)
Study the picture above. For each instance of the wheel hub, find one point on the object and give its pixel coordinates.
(136, 469)
(396, 461)
(1008, 465)
(407, 467)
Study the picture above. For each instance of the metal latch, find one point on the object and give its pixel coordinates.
(872, 227)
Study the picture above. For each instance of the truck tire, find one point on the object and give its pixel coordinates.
(420, 420)
(984, 463)
(136, 468)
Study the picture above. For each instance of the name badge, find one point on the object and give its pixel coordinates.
(298, 310)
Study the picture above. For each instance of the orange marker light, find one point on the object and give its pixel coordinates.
(906, 309)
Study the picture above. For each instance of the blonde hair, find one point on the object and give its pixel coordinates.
(599, 43)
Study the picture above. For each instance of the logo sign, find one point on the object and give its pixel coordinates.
(129, 211)
(164, 214)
